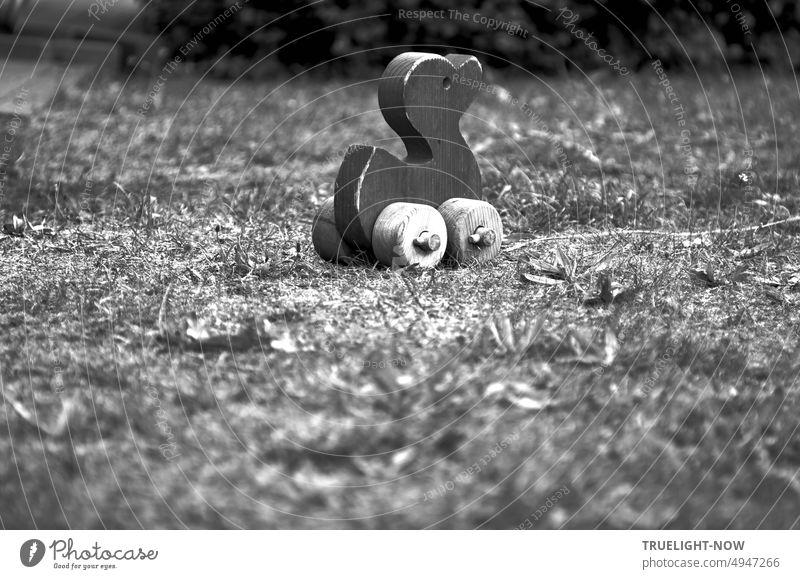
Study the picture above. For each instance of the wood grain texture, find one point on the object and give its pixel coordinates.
(326, 239)
(409, 233)
(422, 97)
(474, 230)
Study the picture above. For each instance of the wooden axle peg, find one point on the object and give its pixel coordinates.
(483, 236)
(428, 241)
(407, 234)
(474, 230)
(325, 237)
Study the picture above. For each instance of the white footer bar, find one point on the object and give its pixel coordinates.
(390, 554)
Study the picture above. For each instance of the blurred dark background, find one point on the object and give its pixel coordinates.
(347, 37)
(258, 37)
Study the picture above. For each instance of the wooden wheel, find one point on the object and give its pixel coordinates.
(474, 230)
(409, 233)
(325, 237)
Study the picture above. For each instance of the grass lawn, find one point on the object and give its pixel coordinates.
(174, 353)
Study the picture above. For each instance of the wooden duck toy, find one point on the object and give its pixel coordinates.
(385, 206)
